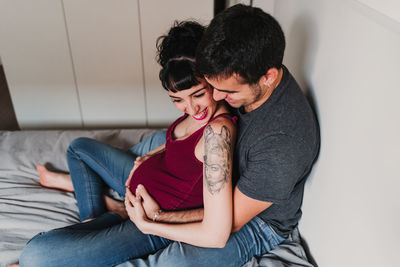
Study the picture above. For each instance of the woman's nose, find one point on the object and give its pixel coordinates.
(192, 108)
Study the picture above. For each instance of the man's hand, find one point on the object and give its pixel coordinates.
(150, 206)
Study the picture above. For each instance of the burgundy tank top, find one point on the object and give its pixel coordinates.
(174, 177)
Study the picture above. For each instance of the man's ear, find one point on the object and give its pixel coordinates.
(269, 78)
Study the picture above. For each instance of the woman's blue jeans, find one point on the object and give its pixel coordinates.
(107, 240)
(95, 166)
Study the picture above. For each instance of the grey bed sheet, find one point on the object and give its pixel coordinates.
(26, 208)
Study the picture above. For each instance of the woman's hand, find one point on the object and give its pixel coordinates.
(140, 159)
(136, 213)
(136, 164)
(150, 206)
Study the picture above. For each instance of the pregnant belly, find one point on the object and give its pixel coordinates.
(170, 192)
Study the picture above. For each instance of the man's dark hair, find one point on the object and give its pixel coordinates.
(242, 40)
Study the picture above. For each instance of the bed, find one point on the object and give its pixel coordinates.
(27, 208)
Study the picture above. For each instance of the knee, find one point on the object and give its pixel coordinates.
(78, 144)
(35, 253)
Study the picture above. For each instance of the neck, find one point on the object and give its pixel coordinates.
(266, 94)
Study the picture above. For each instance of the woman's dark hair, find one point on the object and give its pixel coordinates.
(176, 55)
(242, 40)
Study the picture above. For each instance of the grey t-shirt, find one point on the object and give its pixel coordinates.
(276, 146)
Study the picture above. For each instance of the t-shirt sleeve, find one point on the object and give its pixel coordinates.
(273, 167)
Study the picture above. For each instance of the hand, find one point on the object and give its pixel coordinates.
(136, 164)
(134, 208)
(140, 159)
(149, 204)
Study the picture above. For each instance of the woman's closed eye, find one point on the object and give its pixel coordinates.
(199, 95)
(176, 100)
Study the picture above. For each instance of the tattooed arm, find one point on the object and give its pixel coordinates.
(215, 228)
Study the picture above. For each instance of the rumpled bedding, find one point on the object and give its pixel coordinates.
(27, 208)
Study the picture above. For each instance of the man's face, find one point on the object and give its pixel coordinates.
(236, 93)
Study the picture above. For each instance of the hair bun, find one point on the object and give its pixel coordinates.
(181, 41)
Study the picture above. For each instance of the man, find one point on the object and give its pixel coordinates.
(278, 140)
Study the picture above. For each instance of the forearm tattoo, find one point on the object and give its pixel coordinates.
(217, 159)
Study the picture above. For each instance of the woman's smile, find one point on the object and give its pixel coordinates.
(201, 116)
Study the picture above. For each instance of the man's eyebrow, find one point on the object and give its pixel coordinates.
(191, 93)
(225, 91)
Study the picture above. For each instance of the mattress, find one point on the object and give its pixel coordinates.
(27, 208)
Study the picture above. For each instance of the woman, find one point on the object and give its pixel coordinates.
(202, 139)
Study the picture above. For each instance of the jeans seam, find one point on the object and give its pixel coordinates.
(89, 191)
(87, 183)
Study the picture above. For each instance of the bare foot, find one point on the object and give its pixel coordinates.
(116, 206)
(13, 265)
(54, 179)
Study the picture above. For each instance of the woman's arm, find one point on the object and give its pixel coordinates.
(214, 230)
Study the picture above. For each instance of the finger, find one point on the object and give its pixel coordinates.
(142, 192)
(128, 204)
(138, 205)
(130, 196)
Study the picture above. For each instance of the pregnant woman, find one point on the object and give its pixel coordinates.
(192, 169)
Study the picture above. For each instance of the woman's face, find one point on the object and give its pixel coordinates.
(197, 102)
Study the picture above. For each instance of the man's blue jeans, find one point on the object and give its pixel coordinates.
(254, 239)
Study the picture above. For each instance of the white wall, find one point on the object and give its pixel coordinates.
(37, 64)
(346, 55)
(72, 63)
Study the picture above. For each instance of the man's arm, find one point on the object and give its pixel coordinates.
(184, 216)
(244, 209)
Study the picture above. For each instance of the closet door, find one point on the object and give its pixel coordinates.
(156, 18)
(37, 63)
(106, 54)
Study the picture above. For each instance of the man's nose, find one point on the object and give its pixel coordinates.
(217, 95)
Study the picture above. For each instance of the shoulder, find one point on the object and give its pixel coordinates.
(221, 126)
(223, 122)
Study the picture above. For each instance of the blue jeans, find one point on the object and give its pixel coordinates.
(254, 239)
(94, 166)
(107, 240)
